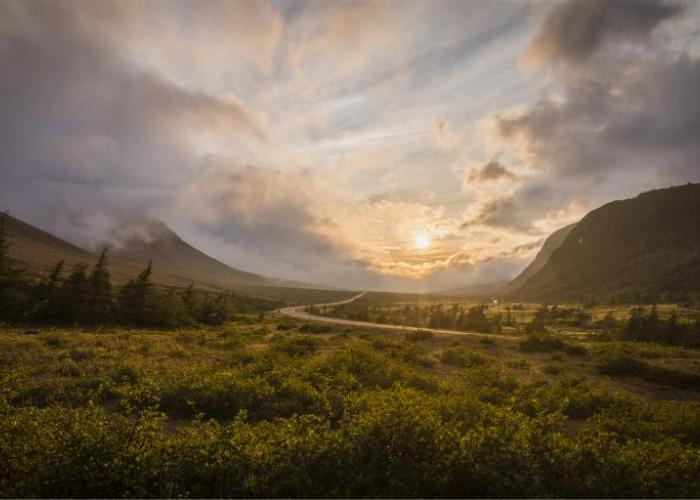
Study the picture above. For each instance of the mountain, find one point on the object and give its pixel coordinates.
(156, 242)
(637, 250)
(39, 249)
(476, 290)
(552, 242)
(175, 262)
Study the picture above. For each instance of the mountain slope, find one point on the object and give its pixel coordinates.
(641, 249)
(175, 262)
(39, 249)
(552, 242)
(170, 254)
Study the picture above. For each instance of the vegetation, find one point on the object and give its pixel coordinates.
(89, 298)
(650, 327)
(220, 399)
(455, 316)
(247, 410)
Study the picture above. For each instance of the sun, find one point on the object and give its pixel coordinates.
(422, 241)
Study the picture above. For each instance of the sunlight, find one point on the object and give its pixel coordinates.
(422, 241)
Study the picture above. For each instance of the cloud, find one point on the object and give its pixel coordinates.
(290, 138)
(445, 138)
(642, 119)
(83, 130)
(310, 226)
(574, 30)
(209, 46)
(609, 127)
(490, 171)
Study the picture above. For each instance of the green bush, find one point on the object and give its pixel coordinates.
(418, 335)
(280, 417)
(575, 350)
(297, 345)
(462, 357)
(552, 369)
(621, 364)
(538, 343)
(314, 328)
(625, 365)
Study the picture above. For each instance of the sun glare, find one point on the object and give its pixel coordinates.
(422, 241)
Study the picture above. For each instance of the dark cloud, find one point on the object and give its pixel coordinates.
(575, 30)
(517, 212)
(644, 118)
(629, 122)
(489, 171)
(83, 131)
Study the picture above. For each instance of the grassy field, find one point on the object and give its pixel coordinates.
(272, 407)
(444, 312)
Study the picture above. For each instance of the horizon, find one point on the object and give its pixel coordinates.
(145, 231)
(398, 146)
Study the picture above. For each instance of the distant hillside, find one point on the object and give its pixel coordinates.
(552, 242)
(478, 290)
(39, 249)
(641, 249)
(175, 262)
(171, 255)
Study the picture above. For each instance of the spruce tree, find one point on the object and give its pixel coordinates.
(136, 299)
(74, 295)
(100, 300)
(13, 281)
(49, 294)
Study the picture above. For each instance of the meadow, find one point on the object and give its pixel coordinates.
(267, 406)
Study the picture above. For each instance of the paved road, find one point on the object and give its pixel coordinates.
(299, 313)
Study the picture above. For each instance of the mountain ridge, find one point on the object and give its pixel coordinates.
(641, 249)
(551, 243)
(40, 250)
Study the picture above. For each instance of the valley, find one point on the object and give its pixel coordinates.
(190, 378)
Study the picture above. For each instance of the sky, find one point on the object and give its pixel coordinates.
(408, 145)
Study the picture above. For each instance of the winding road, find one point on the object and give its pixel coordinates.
(298, 312)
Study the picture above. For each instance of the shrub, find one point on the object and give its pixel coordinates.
(552, 369)
(621, 364)
(462, 357)
(518, 364)
(625, 365)
(418, 335)
(296, 346)
(314, 328)
(538, 343)
(575, 350)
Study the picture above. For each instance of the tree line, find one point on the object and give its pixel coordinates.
(648, 326)
(86, 296)
(452, 317)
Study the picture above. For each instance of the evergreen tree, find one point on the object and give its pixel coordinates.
(49, 294)
(608, 323)
(673, 332)
(100, 300)
(136, 301)
(14, 293)
(74, 294)
(651, 330)
(214, 310)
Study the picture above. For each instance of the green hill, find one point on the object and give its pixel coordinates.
(642, 249)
